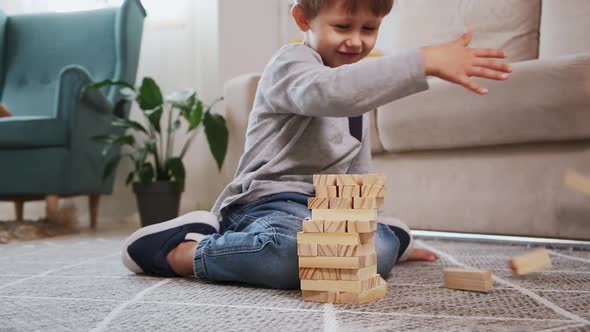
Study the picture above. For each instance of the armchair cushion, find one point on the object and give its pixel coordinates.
(32, 132)
(543, 101)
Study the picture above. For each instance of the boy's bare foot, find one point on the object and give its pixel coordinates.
(181, 258)
(422, 255)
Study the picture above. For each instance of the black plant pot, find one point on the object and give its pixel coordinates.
(157, 201)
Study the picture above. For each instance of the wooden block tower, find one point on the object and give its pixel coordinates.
(337, 258)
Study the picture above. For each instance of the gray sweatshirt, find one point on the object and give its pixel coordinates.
(299, 123)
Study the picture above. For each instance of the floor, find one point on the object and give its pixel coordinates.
(77, 283)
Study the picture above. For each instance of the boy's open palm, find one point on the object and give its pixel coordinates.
(456, 63)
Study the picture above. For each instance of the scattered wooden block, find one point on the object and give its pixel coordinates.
(307, 249)
(330, 250)
(468, 279)
(367, 202)
(533, 261)
(318, 202)
(372, 191)
(349, 191)
(338, 203)
(338, 262)
(348, 179)
(344, 214)
(326, 191)
(324, 179)
(373, 179)
(313, 226)
(350, 286)
(335, 226)
(577, 181)
(361, 226)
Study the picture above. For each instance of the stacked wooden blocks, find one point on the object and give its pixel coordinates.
(337, 258)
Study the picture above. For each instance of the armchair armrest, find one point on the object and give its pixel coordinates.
(239, 94)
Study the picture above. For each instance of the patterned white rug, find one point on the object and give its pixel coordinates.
(80, 285)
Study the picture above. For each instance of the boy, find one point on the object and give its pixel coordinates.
(307, 119)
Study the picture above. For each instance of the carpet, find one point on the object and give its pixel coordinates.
(80, 285)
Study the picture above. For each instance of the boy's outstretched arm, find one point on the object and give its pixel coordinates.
(456, 63)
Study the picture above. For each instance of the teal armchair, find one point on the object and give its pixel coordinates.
(46, 59)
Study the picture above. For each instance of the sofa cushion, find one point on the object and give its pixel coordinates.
(544, 100)
(512, 25)
(32, 132)
(564, 28)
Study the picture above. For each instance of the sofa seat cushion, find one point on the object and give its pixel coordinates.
(32, 132)
(544, 100)
(512, 25)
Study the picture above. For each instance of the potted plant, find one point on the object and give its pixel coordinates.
(158, 173)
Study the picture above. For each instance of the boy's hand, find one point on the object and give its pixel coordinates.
(456, 63)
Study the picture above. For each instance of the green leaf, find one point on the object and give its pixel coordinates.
(146, 173)
(125, 123)
(105, 83)
(110, 167)
(150, 96)
(182, 100)
(217, 136)
(130, 177)
(154, 116)
(195, 115)
(176, 170)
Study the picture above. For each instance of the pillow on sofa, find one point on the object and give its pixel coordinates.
(511, 25)
(4, 112)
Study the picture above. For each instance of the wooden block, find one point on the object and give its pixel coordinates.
(320, 296)
(315, 273)
(330, 250)
(349, 250)
(533, 261)
(466, 279)
(332, 238)
(324, 179)
(370, 295)
(373, 179)
(361, 226)
(335, 226)
(307, 249)
(577, 181)
(366, 238)
(367, 202)
(338, 262)
(372, 191)
(349, 191)
(318, 202)
(339, 203)
(348, 179)
(313, 226)
(344, 214)
(349, 286)
(326, 191)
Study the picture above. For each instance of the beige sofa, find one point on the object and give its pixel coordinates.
(456, 161)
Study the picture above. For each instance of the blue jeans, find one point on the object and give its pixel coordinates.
(258, 244)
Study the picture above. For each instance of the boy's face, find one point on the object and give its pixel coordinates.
(341, 37)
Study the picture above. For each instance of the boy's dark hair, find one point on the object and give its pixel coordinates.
(379, 7)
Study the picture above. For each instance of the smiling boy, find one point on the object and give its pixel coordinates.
(309, 117)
